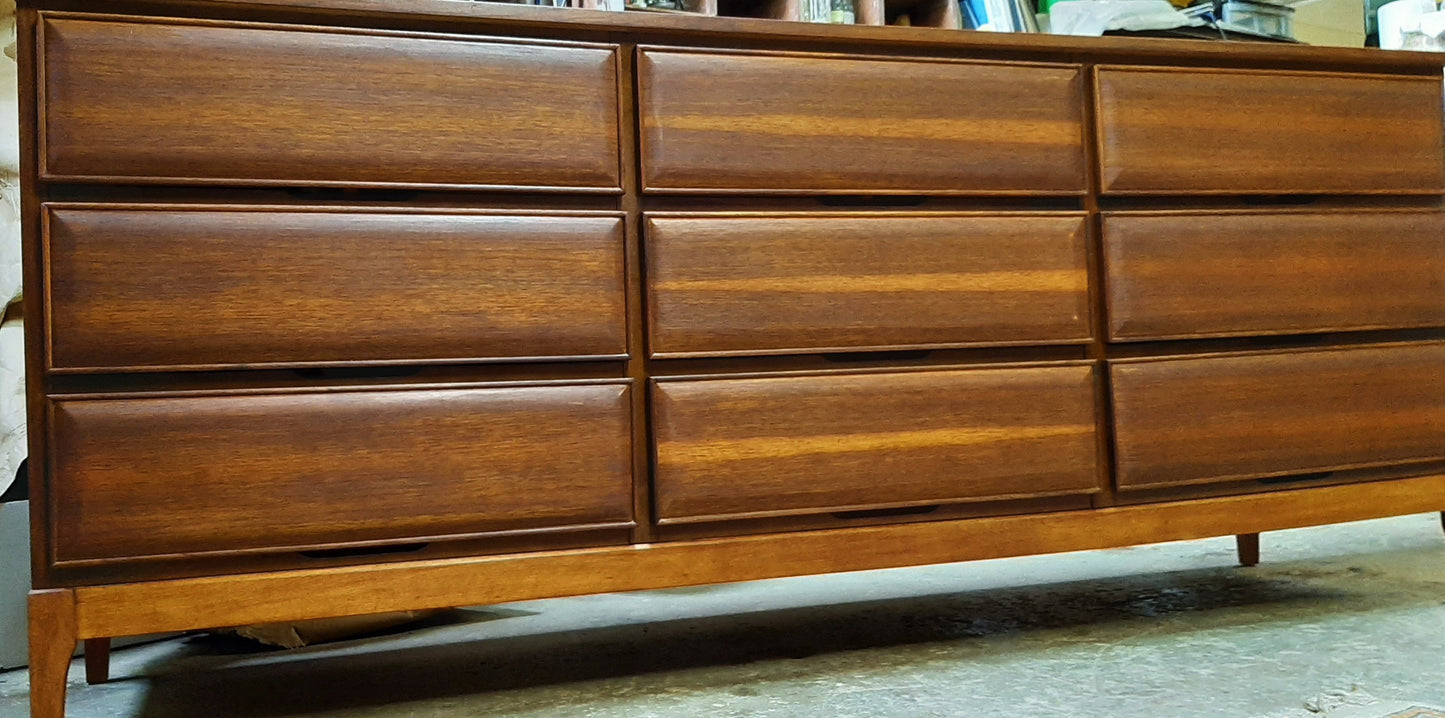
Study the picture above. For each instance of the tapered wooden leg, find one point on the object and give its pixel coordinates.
(52, 643)
(1248, 545)
(97, 660)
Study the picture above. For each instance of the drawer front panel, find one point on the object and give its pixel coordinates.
(744, 448)
(242, 105)
(810, 124)
(1209, 419)
(174, 288)
(1183, 275)
(732, 285)
(1165, 131)
(160, 476)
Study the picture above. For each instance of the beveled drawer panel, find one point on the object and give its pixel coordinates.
(732, 448)
(1170, 131)
(151, 287)
(736, 284)
(1187, 274)
(1197, 420)
(139, 477)
(800, 123)
(176, 103)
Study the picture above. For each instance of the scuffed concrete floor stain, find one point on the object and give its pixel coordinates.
(1334, 618)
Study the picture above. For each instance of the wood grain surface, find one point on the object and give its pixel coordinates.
(1197, 274)
(151, 287)
(97, 661)
(734, 448)
(1197, 420)
(52, 637)
(241, 105)
(294, 595)
(798, 123)
(182, 475)
(721, 284)
(1176, 131)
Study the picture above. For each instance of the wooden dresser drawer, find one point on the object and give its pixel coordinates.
(175, 103)
(737, 284)
(734, 448)
(167, 287)
(1174, 275)
(804, 123)
(1177, 131)
(136, 477)
(1198, 420)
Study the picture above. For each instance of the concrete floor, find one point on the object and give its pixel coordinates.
(1337, 621)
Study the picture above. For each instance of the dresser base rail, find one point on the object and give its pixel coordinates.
(61, 617)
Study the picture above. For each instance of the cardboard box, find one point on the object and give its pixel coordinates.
(325, 630)
(1334, 23)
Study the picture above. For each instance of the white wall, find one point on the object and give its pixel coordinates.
(12, 356)
(14, 544)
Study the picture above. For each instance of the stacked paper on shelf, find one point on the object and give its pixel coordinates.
(1094, 17)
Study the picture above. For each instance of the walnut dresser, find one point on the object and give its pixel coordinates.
(348, 306)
